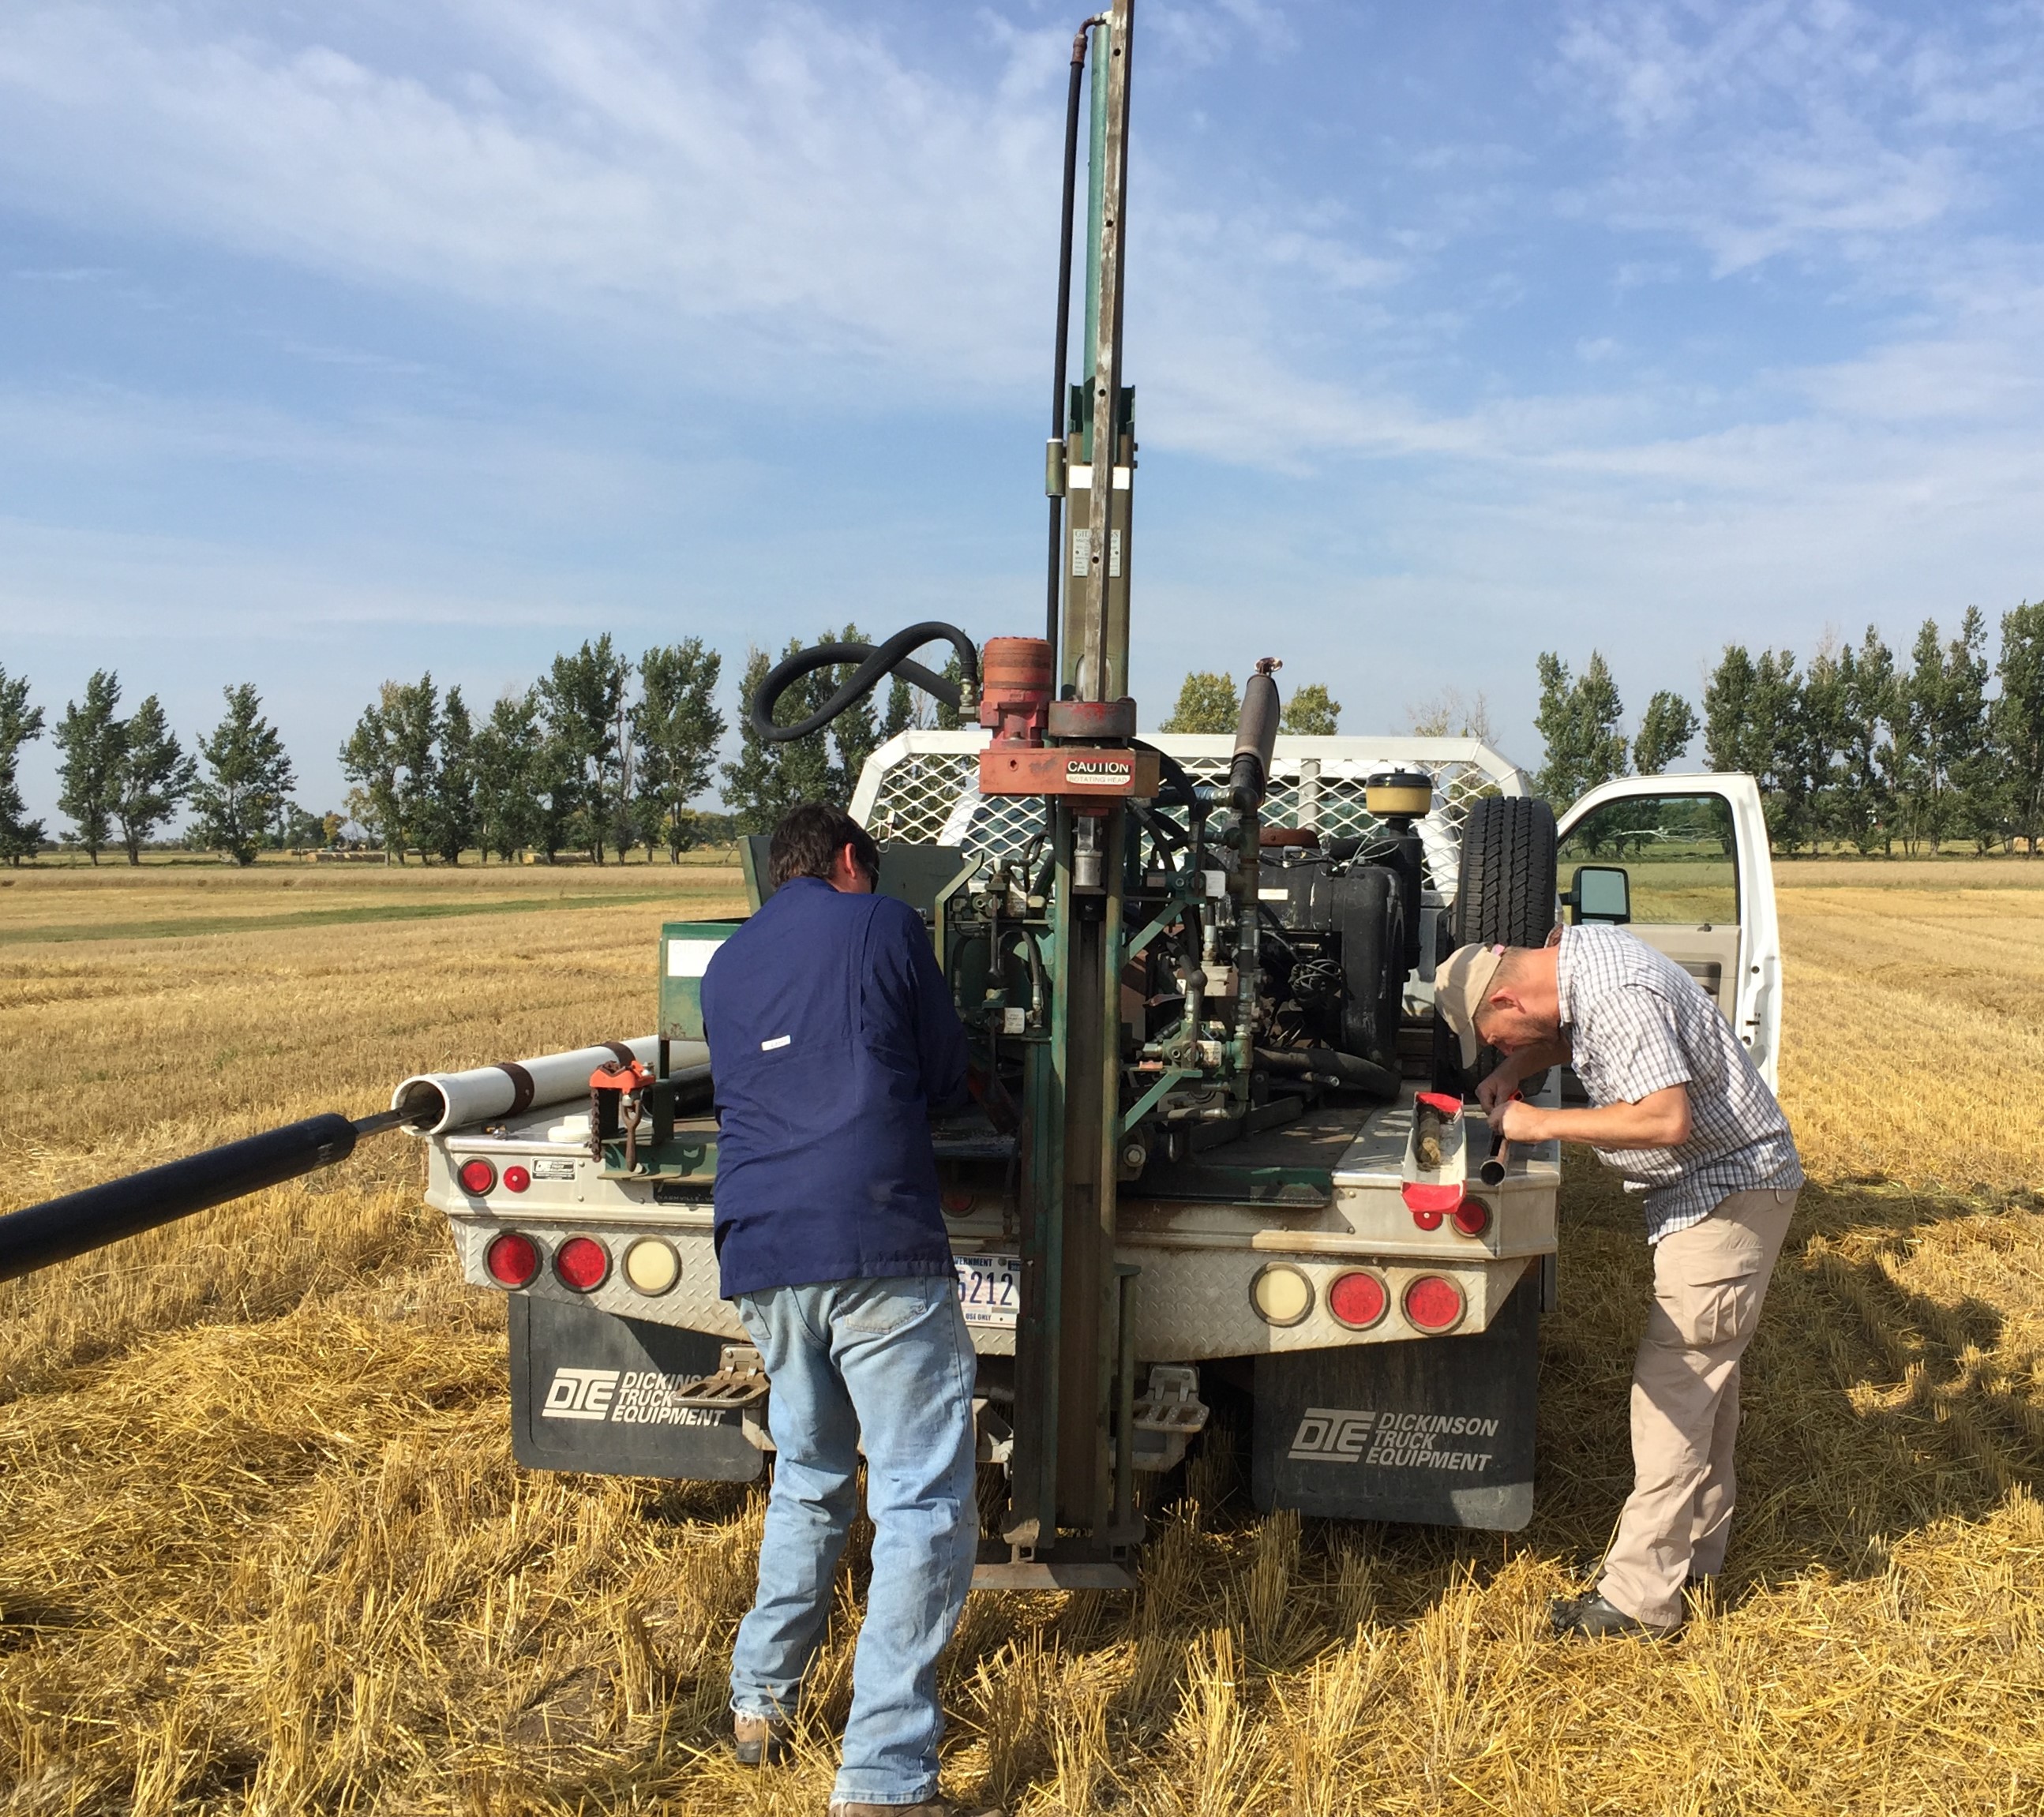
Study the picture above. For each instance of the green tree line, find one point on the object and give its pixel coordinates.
(122, 779)
(1853, 747)
(601, 754)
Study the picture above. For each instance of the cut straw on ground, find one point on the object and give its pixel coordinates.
(262, 1548)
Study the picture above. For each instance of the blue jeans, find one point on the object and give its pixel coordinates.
(886, 1367)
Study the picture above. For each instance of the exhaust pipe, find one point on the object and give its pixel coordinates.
(1255, 738)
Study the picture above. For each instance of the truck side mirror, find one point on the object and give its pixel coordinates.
(1600, 892)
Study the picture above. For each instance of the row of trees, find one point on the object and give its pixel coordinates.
(600, 755)
(581, 760)
(122, 779)
(604, 754)
(1853, 747)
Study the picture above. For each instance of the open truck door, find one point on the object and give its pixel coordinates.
(1683, 863)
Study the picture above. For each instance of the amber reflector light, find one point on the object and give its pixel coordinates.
(651, 1265)
(1282, 1294)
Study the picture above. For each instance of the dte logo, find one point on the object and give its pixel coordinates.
(1333, 1435)
(581, 1394)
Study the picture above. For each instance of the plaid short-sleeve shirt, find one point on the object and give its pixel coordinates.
(1637, 1024)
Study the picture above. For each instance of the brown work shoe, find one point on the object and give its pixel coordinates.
(760, 1741)
(1596, 1618)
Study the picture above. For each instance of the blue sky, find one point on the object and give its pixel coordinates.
(342, 342)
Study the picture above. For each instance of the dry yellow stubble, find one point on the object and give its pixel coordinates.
(262, 1548)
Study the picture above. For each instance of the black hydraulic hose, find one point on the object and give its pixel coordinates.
(1167, 836)
(1351, 1069)
(58, 1229)
(1059, 366)
(1174, 776)
(890, 657)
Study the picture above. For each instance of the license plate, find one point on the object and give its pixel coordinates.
(989, 1288)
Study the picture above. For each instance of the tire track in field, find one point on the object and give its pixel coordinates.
(194, 926)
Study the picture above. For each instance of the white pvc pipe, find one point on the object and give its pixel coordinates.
(436, 1102)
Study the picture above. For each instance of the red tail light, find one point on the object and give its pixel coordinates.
(1433, 1304)
(517, 1179)
(1357, 1300)
(513, 1259)
(1471, 1217)
(477, 1176)
(582, 1263)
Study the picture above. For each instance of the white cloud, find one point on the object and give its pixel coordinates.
(1761, 127)
(789, 179)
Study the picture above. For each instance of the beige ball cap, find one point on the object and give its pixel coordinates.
(1462, 982)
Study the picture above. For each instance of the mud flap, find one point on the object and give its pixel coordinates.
(590, 1391)
(1438, 1430)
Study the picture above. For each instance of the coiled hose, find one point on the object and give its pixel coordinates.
(874, 662)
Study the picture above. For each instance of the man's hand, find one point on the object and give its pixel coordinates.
(1515, 1069)
(1518, 1121)
(1495, 1089)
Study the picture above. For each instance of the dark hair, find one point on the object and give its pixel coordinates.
(809, 839)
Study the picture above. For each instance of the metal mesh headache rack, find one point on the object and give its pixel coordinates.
(922, 787)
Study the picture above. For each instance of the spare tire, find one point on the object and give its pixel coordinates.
(1504, 893)
(1504, 888)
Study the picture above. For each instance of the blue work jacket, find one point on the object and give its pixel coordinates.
(831, 1038)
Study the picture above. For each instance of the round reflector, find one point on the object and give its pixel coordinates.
(582, 1263)
(1434, 1303)
(1282, 1295)
(477, 1176)
(513, 1259)
(957, 1202)
(1471, 1217)
(651, 1265)
(1357, 1300)
(517, 1179)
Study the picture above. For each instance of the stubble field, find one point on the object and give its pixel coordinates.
(262, 1548)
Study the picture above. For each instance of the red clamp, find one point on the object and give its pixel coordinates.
(621, 1076)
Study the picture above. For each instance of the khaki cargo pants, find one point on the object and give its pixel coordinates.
(1708, 1282)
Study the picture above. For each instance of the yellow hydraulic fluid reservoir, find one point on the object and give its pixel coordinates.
(1404, 793)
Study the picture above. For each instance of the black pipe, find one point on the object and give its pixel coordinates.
(1060, 360)
(58, 1229)
(873, 662)
(1255, 737)
(1352, 1069)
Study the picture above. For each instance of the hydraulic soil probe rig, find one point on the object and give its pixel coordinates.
(1220, 1149)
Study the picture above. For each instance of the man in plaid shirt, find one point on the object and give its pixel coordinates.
(1676, 1107)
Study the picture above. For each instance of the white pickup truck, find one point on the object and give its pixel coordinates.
(1383, 1353)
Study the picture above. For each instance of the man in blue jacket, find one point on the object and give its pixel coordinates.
(832, 1039)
